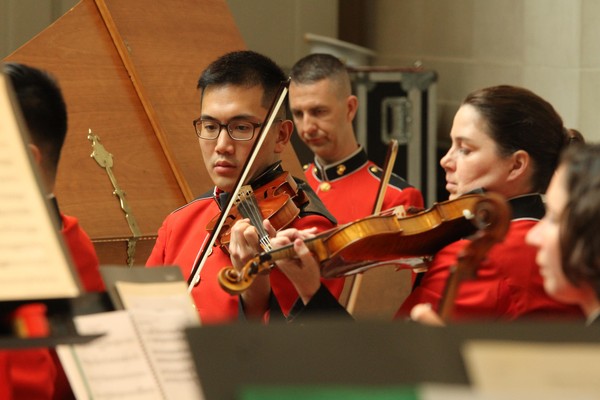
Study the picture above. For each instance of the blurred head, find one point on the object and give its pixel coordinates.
(504, 139)
(566, 238)
(580, 242)
(323, 106)
(237, 89)
(44, 112)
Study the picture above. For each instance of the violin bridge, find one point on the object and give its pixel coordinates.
(399, 212)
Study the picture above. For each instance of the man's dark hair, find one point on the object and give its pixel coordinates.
(314, 67)
(43, 109)
(318, 66)
(247, 69)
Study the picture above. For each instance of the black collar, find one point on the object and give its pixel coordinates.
(341, 168)
(527, 206)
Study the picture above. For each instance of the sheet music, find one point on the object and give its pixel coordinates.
(114, 366)
(144, 353)
(554, 367)
(161, 311)
(33, 260)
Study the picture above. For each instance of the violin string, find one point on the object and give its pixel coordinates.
(263, 235)
(249, 208)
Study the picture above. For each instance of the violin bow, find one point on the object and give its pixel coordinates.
(390, 160)
(209, 242)
(492, 217)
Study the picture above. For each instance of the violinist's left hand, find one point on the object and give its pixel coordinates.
(243, 246)
(304, 271)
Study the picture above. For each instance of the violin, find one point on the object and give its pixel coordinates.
(375, 240)
(279, 201)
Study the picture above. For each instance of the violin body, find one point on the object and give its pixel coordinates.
(279, 201)
(376, 240)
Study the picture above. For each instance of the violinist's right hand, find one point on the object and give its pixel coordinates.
(424, 314)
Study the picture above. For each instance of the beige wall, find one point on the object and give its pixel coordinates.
(20, 20)
(276, 28)
(273, 27)
(549, 46)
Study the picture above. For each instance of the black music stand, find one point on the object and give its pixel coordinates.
(230, 358)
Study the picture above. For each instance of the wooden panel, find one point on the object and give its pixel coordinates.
(381, 293)
(114, 251)
(128, 70)
(139, 101)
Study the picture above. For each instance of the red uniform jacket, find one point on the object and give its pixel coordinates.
(349, 188)
(508, 284)
(180, 240)
(36, 373)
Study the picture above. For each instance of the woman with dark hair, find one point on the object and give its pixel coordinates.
(566, 238)
(507, 140)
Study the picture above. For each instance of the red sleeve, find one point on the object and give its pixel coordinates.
(83, 255)
(32, 373)
(408, 197)
(157, 256)
(5, 385)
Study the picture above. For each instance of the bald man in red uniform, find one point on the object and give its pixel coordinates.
(323, 108)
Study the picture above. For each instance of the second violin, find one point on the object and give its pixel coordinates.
(376, 240)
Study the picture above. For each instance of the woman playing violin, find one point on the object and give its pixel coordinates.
(236, 91)
(507, 140)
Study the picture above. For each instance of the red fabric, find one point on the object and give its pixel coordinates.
(181, 237)
(83, 254)
(31, 320)
(32, 374)
(353, 195)
(37, 373)
(5, 386)
(508, 284)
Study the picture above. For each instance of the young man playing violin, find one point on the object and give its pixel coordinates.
(236, 91)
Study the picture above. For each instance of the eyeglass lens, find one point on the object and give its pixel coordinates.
(237, 129)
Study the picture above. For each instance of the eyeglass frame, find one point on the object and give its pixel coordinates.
(255, 125)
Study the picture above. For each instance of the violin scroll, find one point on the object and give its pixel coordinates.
(492, 216)
(235, 282)
(231, 281)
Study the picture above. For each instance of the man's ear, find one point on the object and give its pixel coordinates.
(519, 166)
(284, 134)
(351, 107)
(36, 153)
